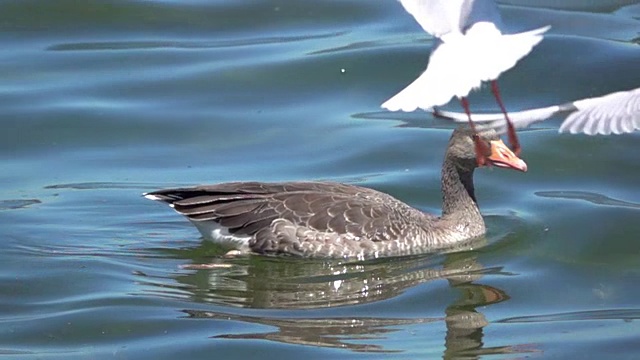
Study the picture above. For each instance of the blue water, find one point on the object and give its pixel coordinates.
(103, 100)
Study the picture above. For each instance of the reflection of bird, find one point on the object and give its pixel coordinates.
(359, 334)
(326, 219)
(615, 113)
(470, 48)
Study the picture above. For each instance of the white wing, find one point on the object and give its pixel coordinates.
(440, 17)
(615, 113)
(461, 63)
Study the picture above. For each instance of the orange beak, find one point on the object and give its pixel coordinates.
(502, 156)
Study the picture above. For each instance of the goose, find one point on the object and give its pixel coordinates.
(335, 220)
(470, 48)
(614, 113)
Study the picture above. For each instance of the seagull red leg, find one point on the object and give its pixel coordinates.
(482, 149)
(511, 130)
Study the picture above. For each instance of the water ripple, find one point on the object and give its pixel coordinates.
(139, 45)
(591, 197)
(18, 204)
(321, 332)
(611, 314)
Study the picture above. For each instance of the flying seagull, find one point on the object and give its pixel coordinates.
(470, 48)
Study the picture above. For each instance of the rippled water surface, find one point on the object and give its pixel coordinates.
(103, 100)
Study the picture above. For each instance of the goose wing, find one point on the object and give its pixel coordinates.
(283, 214)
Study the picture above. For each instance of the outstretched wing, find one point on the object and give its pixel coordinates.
(440, 17)
(461, 63)
(614, 113)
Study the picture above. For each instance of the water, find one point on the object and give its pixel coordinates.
(103, 100)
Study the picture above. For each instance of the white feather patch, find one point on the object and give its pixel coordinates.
(220, 235)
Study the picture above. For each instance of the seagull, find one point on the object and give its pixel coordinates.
(615, 113)
(470, 49)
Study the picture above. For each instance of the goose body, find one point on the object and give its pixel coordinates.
(328, 219)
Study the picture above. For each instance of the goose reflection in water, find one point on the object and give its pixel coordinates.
(294, 285)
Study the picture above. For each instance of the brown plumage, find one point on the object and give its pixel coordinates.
(328, 219)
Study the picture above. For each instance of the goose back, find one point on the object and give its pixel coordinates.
(304, 218)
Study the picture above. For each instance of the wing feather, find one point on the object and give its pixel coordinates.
(441, 17)
(460, 63)
(615, 113)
